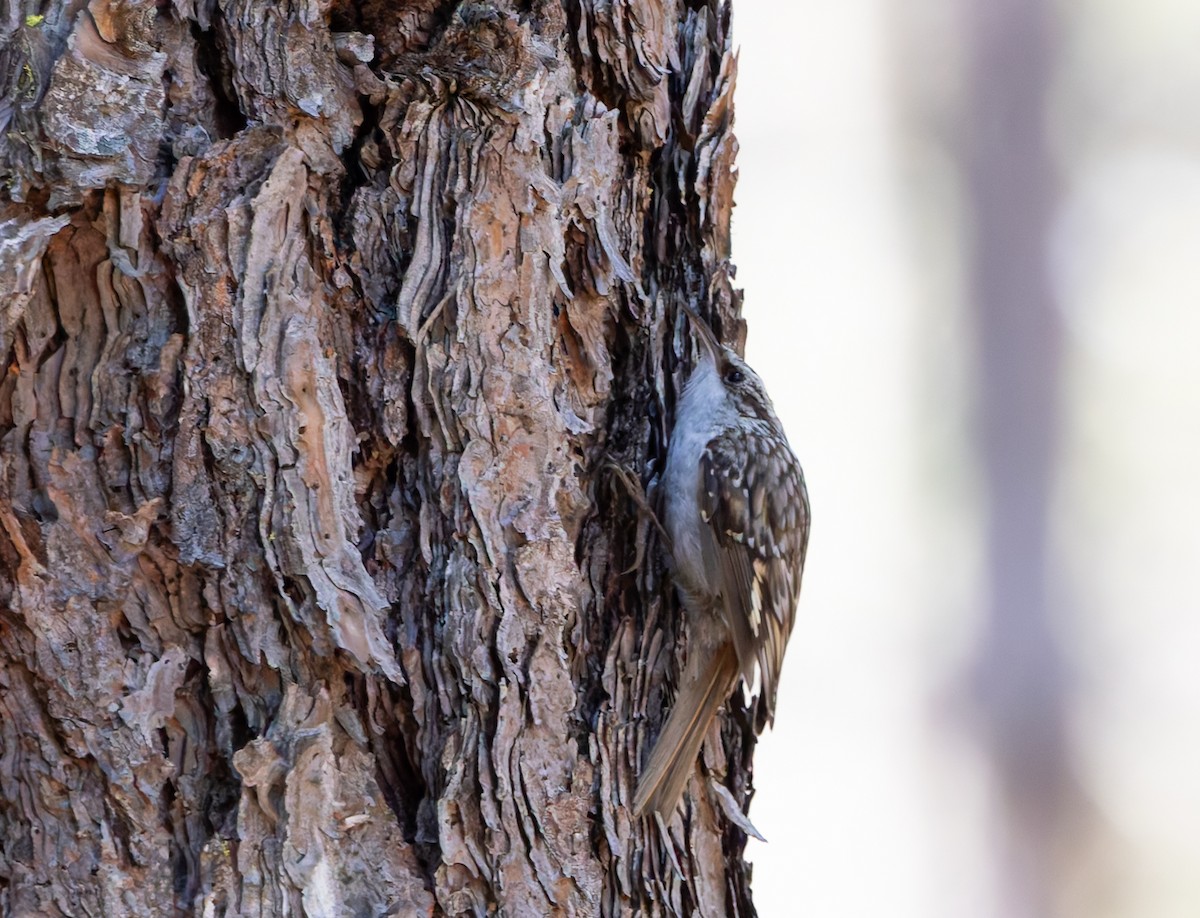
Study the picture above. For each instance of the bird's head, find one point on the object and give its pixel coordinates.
(742, 388)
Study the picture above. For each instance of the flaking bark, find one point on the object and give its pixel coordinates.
(321, 323)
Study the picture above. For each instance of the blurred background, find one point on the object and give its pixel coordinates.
(969, 236)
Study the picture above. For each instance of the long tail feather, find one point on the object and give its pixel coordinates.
(666, 774)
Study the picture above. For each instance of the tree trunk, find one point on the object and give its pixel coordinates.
(1021, 676)
(321, 325)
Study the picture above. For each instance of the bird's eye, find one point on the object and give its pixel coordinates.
(733, 376)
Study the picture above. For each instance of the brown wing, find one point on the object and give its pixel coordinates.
(753, 498)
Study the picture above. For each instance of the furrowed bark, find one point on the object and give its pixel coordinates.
(321, 325)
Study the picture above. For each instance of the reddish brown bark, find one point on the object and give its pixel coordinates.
(320, 324)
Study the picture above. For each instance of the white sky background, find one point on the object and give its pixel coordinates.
(848, 240)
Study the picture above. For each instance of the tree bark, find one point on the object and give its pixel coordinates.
(321, 325)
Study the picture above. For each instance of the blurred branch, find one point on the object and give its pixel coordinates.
(1019, 670)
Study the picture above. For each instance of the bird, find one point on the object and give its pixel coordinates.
(736, 511)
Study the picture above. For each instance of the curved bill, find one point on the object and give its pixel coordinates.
(704, 333)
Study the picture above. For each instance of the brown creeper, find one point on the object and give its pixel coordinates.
(737, 515)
